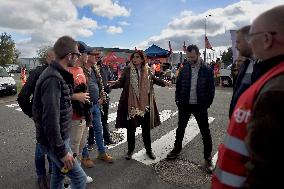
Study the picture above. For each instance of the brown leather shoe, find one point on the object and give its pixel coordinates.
(105, 157)
(87, 162)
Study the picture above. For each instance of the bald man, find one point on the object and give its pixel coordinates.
(250, 155)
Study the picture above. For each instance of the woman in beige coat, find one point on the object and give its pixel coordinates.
(137, 104)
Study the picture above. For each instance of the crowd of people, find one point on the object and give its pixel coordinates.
(70, 103)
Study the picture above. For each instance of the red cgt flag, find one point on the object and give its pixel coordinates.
(207, 44)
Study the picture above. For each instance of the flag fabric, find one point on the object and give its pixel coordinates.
(207, 44)
(170, 47)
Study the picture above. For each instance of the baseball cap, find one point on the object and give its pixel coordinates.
(83, 48)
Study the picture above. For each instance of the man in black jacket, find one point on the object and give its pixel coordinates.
(25, 102)
(52, 113)
(195, 92)
(243, 81)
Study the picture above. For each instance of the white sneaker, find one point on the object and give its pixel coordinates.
(89, 180)
(67, 180)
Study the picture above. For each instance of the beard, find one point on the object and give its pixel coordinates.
(71, 63)
(193, 62)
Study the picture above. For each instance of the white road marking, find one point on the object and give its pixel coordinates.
(214, 159)
(165, 144)
(111, 117)
(164, 115)
(113, 104)
(12, 105)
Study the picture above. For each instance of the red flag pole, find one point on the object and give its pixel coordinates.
(184, 47)
(170, 47)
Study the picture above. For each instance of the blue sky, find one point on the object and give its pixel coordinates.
(126, 23)
(147, 18)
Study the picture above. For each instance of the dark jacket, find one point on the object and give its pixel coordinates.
(52, 108)
(239, 88)
(106, 76)
(205, 89)
(122, 111)
(24, 97)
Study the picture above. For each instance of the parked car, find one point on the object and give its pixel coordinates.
(226, 76)
(7, 83)
(12, 68)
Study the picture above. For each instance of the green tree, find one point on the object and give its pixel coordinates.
(227, 56)
(8, 52)
(41, 54)
(16, 56)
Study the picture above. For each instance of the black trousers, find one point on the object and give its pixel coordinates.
(104, 117)
(131, 128)
(201, 116)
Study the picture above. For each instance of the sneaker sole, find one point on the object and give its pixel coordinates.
(172, 158)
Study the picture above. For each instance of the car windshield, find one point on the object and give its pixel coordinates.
(3, 73)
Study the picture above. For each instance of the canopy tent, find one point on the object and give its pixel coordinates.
(155, 52)
(113, 58)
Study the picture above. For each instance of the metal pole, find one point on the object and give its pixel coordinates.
(205, 41)
(205, 37)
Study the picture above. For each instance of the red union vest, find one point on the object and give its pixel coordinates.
(233, 154)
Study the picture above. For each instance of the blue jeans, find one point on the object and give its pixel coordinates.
(77, 175)
(97, 129)
(85, 152)
(40, 162)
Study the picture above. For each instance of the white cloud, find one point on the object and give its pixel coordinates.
(42, 22)
(124, 23)
(114, 30)
(189, 26)
(183, 1)
(105, 8)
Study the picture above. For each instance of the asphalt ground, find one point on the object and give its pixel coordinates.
(17, 139)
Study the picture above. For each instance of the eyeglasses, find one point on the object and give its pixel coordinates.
(78, 55)
(258, 33)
